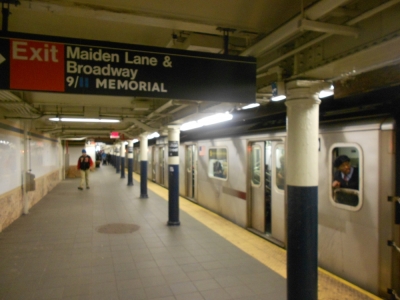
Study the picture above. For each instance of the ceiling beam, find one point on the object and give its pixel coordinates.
(328, 28)
(291, 28)
(125, 16)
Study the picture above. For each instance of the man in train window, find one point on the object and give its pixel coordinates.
(218, 171)
(345, 176)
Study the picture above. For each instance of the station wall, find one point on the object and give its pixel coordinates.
(23, 151)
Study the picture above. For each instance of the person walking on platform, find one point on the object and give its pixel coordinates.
(85, 163)
(104, 158)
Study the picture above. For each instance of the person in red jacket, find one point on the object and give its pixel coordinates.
(85, 163)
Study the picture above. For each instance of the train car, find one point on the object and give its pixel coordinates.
(242, 179)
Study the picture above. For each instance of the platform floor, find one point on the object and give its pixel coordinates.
(59, 250)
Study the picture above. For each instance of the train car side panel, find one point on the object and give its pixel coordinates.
(223, 194)
(345, 231)
(387, 189)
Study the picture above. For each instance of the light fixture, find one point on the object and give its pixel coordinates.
(135, 141)
(190, 125)
(251, 105)
(86, 120)
(214, 119)
(74, 138)
(326, 93)
(278, 91)
(153, 135)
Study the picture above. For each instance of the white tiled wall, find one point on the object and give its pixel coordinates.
(38, 153)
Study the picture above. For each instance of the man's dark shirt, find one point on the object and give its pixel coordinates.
(84, 162)
(351, 184)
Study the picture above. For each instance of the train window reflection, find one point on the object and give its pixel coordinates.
(346, 176)
(280, 166)
(255, 165)
(218, 163)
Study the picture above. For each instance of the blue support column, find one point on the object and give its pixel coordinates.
(130, 162)
(122, 160)
(143, 166)
(302, 248)
(143, 180)
(113, 157)
(302, 190)
(173, 176)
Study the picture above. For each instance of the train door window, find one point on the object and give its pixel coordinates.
(268, 192)
(218, 163)
(255, 165)
(280, 166)
(345, 175)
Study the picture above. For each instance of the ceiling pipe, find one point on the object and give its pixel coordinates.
(50, 130)
(291, 28)
(12, 102)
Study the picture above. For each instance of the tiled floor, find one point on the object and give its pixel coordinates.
(56, 251)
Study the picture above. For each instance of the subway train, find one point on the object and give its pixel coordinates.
(237, 170)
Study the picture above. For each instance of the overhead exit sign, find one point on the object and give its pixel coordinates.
(55, 64)
(114, 135)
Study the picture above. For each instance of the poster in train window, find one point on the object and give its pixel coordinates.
(218, 163)
(345, 174)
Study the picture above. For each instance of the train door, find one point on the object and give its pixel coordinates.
(191, 168)
(161, 166)
(267, 200)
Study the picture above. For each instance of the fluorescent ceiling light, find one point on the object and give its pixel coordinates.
(251, 105)
(74, 139)
(278, 91)
(190, 125)
(326, 93)
(153, 135)
(214, 119)
(135, 140)
(278, 98)
(84, 120)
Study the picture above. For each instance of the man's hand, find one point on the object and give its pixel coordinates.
(336, 184)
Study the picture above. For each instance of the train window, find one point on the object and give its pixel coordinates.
(280, 166)
(218, 163)
(345, 176)
(255, 165)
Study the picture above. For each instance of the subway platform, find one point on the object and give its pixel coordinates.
(107, 243)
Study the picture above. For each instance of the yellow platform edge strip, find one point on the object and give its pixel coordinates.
(244, 239)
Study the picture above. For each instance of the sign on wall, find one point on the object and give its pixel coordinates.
(173, 148)
(54, 64)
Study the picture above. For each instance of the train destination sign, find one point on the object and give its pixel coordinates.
(54, 64)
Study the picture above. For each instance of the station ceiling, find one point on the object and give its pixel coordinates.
(351, 44)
